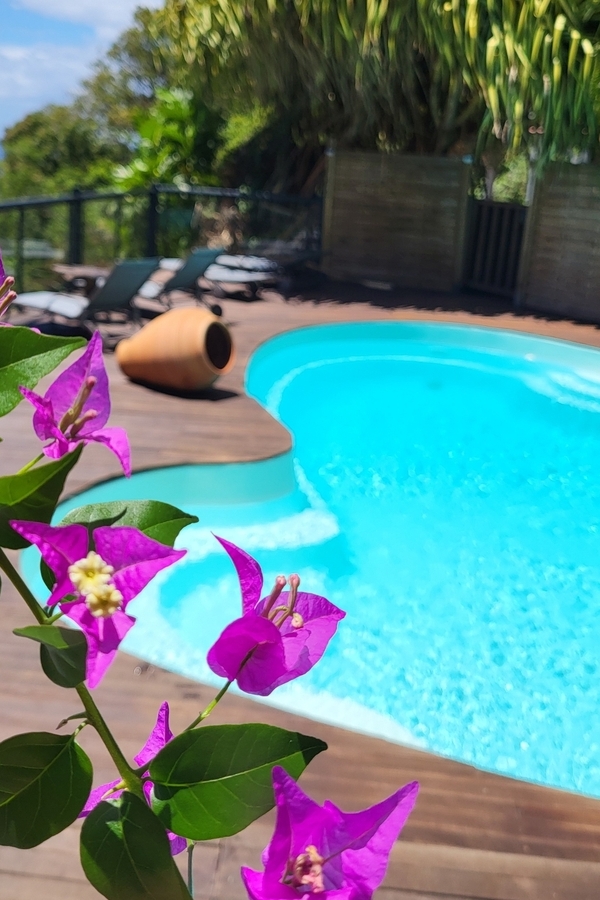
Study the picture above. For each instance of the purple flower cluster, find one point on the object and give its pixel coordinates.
(93, 587)
(278, 637)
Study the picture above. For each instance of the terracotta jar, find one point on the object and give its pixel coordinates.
(185, 349)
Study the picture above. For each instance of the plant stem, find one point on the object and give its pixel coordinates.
(94, 716)
(190, 868)
(54, 618)
(19, 584)
(206, 712)
(131, 780)
(31, 464)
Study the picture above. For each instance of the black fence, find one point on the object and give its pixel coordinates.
(38, 235)
(493, 247)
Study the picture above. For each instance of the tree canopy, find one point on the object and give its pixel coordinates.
(250, 91)
(125, 81)
(177, 142)
(54, 150)
(410, 75)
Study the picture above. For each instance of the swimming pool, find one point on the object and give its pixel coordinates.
(444, 489)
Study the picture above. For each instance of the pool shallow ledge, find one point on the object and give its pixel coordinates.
(199, 483)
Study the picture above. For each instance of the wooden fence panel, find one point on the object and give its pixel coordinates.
(395, 217)
(560, 269)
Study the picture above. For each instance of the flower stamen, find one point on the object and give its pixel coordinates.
(104, 601)
(280, 583)
(92, 578)
(294, 582)
(74, 412)
(81, 421)
(7, 295)
(306, 871)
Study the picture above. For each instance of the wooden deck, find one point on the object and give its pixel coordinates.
(472, 834)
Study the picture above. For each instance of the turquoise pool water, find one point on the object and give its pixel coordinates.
(444, 489)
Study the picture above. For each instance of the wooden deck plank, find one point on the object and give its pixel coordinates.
(466, 820)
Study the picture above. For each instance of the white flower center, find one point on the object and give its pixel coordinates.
(92, 578)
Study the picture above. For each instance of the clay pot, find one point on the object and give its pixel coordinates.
(184, 349)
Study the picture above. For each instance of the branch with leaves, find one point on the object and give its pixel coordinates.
(209, 781)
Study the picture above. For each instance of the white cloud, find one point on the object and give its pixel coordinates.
(40, 74)
(107, 17)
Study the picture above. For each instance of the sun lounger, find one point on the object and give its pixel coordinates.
(114, 296)
(185, 276)
(250, 272)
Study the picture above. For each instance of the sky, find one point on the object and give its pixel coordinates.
(48, 46)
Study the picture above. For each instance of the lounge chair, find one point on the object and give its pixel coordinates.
(249, 272)
(185, 278)
(114, 296)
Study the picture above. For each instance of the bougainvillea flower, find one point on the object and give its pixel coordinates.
(160, 735)
(76, 407)
(94, 586)
(322, 850)
(277, 638)
(7, 295)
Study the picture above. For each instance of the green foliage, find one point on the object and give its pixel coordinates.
(62, 652)
(249, 93)
(213, 782)
(32, 496)
(358, 74)
(159, 521)
(124, 83)
(240, 129)
(53, 150)
(510, 184)
(125, 853)
(45, 780)
(177, 140)
(25, 357)
(535, 66)
(413, 75)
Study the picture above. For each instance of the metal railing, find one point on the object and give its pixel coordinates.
(37, 234)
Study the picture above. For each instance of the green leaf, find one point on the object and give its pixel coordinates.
(62, 653)
(213, 782)
(45, 780)
(125, 853)
(157, 520)
(32, 496)
(25, 357)
(47, 574)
